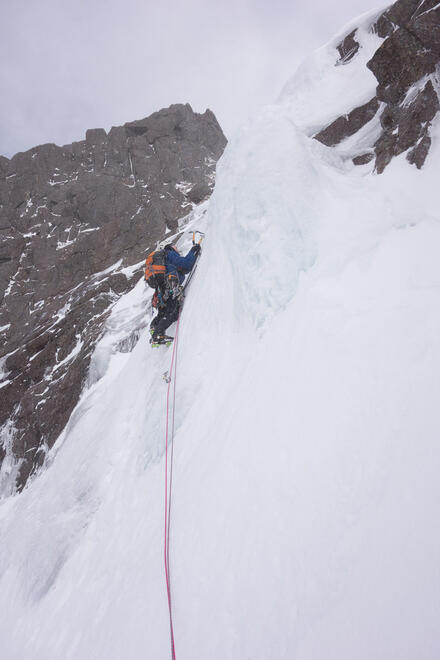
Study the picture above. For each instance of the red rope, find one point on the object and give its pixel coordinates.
(172, 452)
(168, 489)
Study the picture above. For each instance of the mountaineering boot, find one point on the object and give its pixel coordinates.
(161, 340)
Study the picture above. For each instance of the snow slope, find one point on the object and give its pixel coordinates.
(306, 456)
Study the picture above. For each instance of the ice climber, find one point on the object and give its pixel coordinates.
(168, 294)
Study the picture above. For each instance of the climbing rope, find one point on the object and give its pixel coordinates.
(169, 440)
(171, 379)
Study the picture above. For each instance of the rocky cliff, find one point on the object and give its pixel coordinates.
(406, 99)
(73, 220)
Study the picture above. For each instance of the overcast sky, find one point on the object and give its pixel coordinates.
(69, 65)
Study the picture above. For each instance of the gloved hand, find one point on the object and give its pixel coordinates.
(196, 248)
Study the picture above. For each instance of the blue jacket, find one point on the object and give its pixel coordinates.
(180, 266)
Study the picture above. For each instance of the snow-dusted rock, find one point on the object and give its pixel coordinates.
(71, 219)
(406, 97)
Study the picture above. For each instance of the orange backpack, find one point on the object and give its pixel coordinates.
(155, 269)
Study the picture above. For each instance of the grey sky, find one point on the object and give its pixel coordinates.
(71, 65)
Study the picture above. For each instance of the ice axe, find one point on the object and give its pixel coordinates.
(201, 234)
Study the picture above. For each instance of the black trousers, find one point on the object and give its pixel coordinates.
(167, 314)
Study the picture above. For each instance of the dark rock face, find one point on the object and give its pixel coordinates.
(348, 124)
(71, 219)
(404, 66)
(398, 14)
(363, 159)
(348, 48)
(406, 126)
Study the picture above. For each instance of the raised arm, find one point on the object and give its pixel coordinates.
(183, 264)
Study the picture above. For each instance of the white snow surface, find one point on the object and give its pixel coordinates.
(306, 457)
